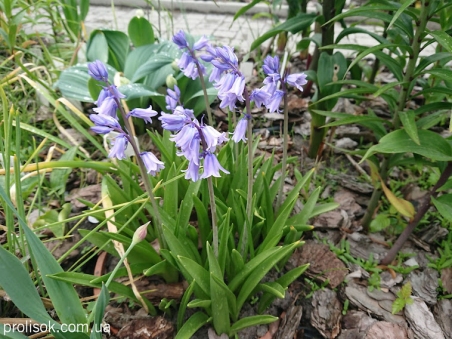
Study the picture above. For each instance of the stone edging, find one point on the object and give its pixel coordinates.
(195, 6)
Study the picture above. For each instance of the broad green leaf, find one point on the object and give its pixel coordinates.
(408, 122)
(431, 145)
(197, 272)
(16, 282)
(306, 213)
(194, 323)
(186, 205)
(118, 48)
(133, 91)
(84, 8)
(64, 298)
(443, 39)
(9, 334)
(97, 47)
(138, 57)
(153, 64)
(444, 206)
(403, 206)
(293, 25)
(140, 31)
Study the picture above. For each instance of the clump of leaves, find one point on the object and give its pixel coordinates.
(403, 298)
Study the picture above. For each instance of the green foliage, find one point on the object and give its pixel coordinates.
(403, 298)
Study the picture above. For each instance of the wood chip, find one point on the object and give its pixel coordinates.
(384, 329)
(147, 328)
(421, 321)
(446, 279)
(378, 303)
(290, 323)
(425, 284)
(326, 314)
(443, 315)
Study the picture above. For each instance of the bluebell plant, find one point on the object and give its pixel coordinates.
(196, 140)
(106, 121)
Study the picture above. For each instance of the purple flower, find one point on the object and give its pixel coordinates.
(260, 97)
(98, 70)
(240, 129)
(189, 66)
(271, 65)
(104, 123)
(201, 43)
(185, 136)
(180, 40)
(119, 147)
(152, 164)
(212, 137)
(191, 150)
(108, 107)
(230, 89)
(144, 114)
(297, 80)
(172, 98)
(192, 172)
(275, 101)
(211, 166)
(174, 122)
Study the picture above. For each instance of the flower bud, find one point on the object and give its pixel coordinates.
(139, 13)
(175, 65)
(140, 233)
(171, 81)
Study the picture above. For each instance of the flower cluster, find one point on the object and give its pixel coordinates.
(106, 119)
(270, 95)
(196, 141)
(226, 76)
(189, 63)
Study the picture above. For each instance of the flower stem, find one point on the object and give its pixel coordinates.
(285, 146)
(249, 200)
(213, 211)
(206, 97)
(147, 182)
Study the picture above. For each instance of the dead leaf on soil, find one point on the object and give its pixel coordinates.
(147, 328)
(91, 193)
(323, 263)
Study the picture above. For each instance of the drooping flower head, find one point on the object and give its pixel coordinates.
(152, 163)
(98, 70)
(172, 98)
(188, 62)
(144, 114)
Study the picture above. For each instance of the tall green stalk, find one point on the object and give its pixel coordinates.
(407, 79)
(213, 206)
(285, 146)
(249, 195)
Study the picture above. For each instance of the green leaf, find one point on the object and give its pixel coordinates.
(441, 73)
(6, 329)
(194, 323)
(402, 8)
(133, 91)
(183, 305)
(16, 282)
(293, 25)
(425, 61)
(408, 122)
(140, 32)
(252, 321)
(398, 305)
(84, 9)
(118, 48)
(257, 274)
(64, 298)
(155, 63)
(97, 47)
(244, 9)
(170, 198)
(197, 272)
(99, 309)
(444, 206)
(431, 145)
(443, 39)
